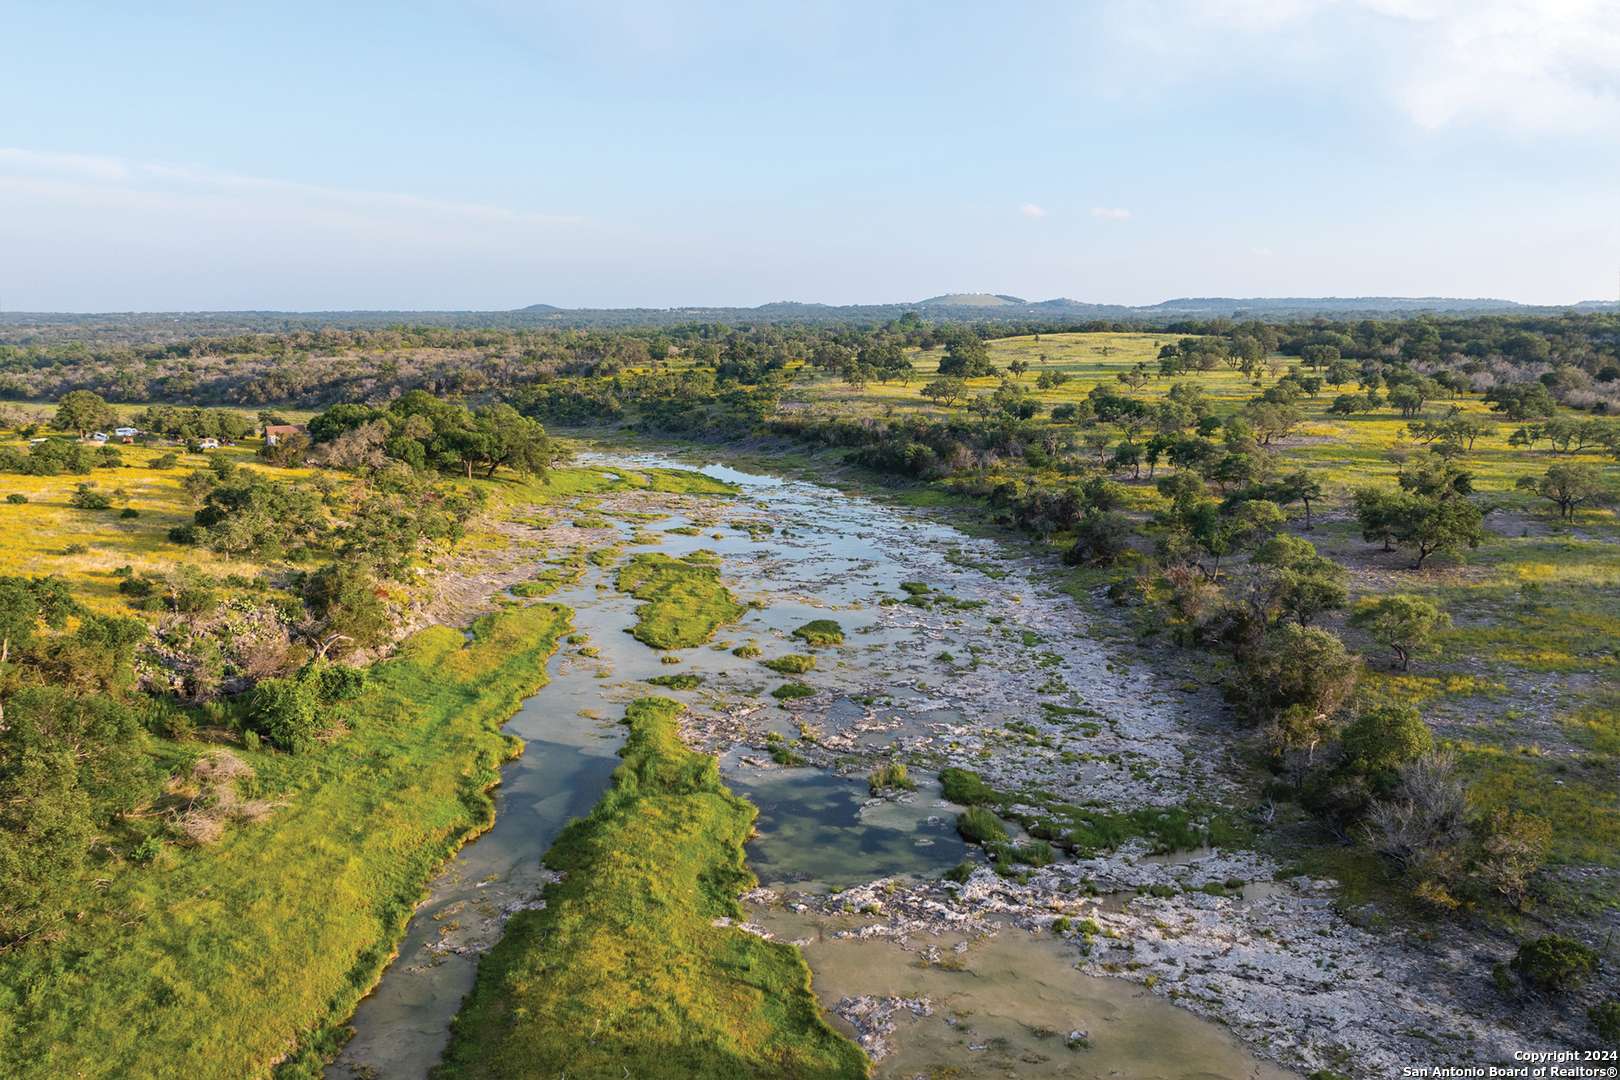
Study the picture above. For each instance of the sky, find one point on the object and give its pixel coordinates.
(614, 153)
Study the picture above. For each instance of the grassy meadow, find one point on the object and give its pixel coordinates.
(222, 961)
(48, 535)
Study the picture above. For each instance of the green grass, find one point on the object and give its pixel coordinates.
(46, 535)
(674, 481)
(625, 972)
(820, 632)
(1578, 799)
(980, 826)
(218, 961)
(791, 664)
(890, 776)
(685, 600)
(791, 691)
(966, 787)
(684, 681)
(566, 572)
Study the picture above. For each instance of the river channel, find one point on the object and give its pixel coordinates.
(913, 678)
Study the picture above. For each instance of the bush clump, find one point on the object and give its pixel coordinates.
(1605, 1017)
(891, 776)
(965, 787)
(820, 632)
(979, 826)
(793, 690)
(1554, 962)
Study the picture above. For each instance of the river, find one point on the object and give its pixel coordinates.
(923, 677)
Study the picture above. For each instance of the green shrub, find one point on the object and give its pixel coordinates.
(1384, 738)
(820, 632)
(147, 851)
(1554, 962)
(16, 498)
(284, 709)
(965, 787)
(792, 690)
(129, 512)
(890, 776)
(336, 682)
(746, 652)
(961, 872)
(1034, 853)
(978, 825)
(1605, 1018)
(88, 498)
(786, 757)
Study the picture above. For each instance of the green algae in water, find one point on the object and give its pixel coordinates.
(817, 827)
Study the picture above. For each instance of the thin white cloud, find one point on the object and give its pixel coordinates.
(110, 233)
(1518, 66)
(1110, 213)
(1531, 65)
(120, 179)
(1032, 210)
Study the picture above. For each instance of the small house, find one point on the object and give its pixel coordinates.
(274, 433)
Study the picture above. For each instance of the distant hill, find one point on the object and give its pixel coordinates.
(980, 308)
(971, 299)
(1322, 305)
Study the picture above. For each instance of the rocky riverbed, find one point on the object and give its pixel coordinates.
(958, 652)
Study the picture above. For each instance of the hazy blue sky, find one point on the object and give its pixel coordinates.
(624, 152)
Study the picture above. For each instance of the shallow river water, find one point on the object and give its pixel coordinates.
(1005, 1008)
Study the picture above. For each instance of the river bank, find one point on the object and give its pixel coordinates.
(247, 955)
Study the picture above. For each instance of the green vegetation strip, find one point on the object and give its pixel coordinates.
(625, 971)
(217, 961)
(686, 602)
